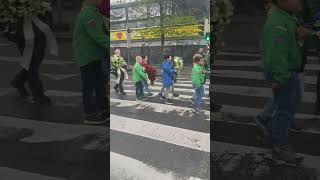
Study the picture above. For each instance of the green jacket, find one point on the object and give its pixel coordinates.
(280, 50)
(197, 76)
(138, 73)
(90, 38)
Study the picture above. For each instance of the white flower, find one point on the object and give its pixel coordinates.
(13, 10)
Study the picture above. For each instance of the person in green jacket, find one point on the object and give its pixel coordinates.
(282, 60)
(139, 76)
(91, 48)
(198, 76)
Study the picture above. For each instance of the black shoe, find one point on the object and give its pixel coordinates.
(175, 95)
(167, 101)
(123, 94)
(295, 127)
(286, 154)
(142, 98)
(116, 89)
(95, 119)
(215, 107)
(104, 115)
(42, 100)
(21, 89)
(162, 98)
(198, 111)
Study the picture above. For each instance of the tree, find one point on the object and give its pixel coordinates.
(221, 12)
(182, 12)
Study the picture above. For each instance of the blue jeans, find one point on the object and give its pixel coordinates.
(199, 92)
(93, 88)
(146, 86)
(279, 110)
(139, 89)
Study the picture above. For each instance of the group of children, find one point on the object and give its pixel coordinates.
(142, 76)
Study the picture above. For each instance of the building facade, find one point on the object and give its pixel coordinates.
(138, 27)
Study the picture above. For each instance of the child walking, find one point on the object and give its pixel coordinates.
(197, 76)
(151, 72)
(138, 77)
(167, 78)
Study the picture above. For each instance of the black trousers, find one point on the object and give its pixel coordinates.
(119, 85)
(32, 76)
(94, 92)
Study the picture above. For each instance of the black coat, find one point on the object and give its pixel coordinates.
(18, 36)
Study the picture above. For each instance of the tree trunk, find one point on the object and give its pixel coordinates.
(162, 26)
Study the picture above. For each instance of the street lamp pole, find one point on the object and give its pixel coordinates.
(128, 36)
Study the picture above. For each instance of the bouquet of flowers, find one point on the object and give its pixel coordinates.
(13, 11)
(116, 62)
(207, 60)
(178, 66)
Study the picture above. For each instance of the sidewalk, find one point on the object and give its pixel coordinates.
(238, 162)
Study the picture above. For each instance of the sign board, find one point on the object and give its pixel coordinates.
(155, 33)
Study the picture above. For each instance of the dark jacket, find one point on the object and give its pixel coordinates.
(18, 37)
(150, 71)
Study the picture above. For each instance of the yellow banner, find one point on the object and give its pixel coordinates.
(155, 33)
(118, 36)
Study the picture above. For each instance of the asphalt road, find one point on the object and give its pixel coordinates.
(169, 140)
(239, 86)
(49, 142)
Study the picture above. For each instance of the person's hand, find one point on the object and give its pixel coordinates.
(204, 71)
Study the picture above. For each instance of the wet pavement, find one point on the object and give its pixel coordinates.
(166, 141)
(236, 154)
(49, 142)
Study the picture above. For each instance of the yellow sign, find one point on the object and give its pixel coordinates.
(155, 33)
(118, 36)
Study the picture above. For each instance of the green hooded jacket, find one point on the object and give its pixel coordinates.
(138, 73)
(280, 51)
(197, 76)
(90, 38)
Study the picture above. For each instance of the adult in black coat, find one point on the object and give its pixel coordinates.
(31, 75)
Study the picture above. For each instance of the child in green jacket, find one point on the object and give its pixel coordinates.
(197, 76)
(138, 77)
(91, 48)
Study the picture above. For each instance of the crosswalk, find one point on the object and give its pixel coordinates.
(149, 138)
(164, 141)
(239, 85)
(49, 142)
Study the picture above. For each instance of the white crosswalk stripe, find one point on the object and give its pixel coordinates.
(154, 122)
(239, 85)
(251, 92)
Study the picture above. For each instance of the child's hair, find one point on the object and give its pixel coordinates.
(166, 56)
(197, 58)
(117, 50)
(138, 58)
